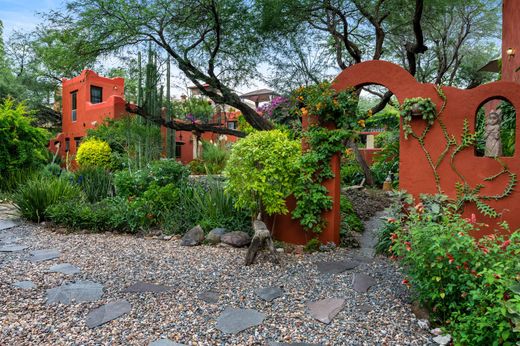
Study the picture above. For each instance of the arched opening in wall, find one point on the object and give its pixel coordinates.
(377, 145)
(495, 128)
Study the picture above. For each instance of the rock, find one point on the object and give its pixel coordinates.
(210, 297)
(6, 224)
(167, 237)
(77, 292)
(362, 282)
(145, 287)
(366, 308)
(327, 247)
(236, 239)
(436, 331)
(12, 248)
(214, 235)
(280, 250)
(107, 312)
(442, 340)
(269, 293)
(336, 267)
(193, 237)
(26, 285)
(326, 309)
(233, 320)
(44, 255)
(165, 342)
(420, 312)
(423, 324)
(64, 268)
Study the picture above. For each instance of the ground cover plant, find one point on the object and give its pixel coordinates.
(471, 286)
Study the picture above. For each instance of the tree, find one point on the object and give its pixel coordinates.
(212, 42)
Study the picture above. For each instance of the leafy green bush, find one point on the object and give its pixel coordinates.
(351, 172)
(263, 168)
(162, 173)
(95, 182)
(350, 220)
(33, 198)
(471, 285)
(387, 160)
(94, 152)
(22, 146)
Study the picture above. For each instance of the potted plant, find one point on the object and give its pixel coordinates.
(417, 107)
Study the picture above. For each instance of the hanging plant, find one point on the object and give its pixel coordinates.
(417, 107)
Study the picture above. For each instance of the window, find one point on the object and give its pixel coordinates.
(178, 147)
(232, 125)
(74, 97)
(67, 145)
(77, 140)
(96, 94)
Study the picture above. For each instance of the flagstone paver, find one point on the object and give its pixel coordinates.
(362, 282)
(12, 248)
(44, 255)
(335, 267)
(269, 293)
(76, 292)
(326, 309)
(146, 287)
(64, 268)
(26, 285)
(233, 320)
(107, 312)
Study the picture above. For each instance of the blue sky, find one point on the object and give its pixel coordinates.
(22, 14)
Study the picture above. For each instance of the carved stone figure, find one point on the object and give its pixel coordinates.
(492, 135)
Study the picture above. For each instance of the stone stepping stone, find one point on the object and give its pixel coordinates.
(335, 267)
(25, 285)
(77, 292)
(145, 287)
(64, 268)
(107, 312)
(6, 224)
(165, 342)
(210, 297)
(234, 320)
(12, 248)
(44, 255)
(269, 293)
(326, 309)
(362, 282)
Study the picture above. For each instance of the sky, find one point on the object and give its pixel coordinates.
(22, 15)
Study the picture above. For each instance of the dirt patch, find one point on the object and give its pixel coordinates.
(367, 202)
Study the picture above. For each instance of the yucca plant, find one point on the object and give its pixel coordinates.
(95, 182)
(33, 198)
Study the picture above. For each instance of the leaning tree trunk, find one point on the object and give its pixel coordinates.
(261, 240)
(369, 179)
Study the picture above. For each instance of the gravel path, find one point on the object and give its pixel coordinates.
(382, 316)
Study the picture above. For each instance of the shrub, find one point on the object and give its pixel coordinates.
(94, 152)
(161, 173)
(33, 198)
(350, 220)
(470, 285)
(22, 146)
(351, 172)
(95, 182)
(387, 160)
(263, 168)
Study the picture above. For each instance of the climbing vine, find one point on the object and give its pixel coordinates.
(465, 193)
(328, 108)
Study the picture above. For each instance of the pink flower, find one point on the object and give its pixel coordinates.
(451, 259)
(391, 220)
(408, 246)
(472, 220)
(505, 244)
(406, 282)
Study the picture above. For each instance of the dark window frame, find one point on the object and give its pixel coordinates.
(74, 105)
(67, 145)
(178, 149)
(99, 98)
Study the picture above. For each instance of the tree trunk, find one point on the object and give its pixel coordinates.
(261, 240)
(369, 179)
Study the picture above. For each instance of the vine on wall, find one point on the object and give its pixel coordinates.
(465, 193)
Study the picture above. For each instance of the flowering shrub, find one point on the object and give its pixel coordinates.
(470, 285)
(94, 152)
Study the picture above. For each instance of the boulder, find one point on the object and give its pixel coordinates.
(236, 239)
(193, 237)
(214, 235)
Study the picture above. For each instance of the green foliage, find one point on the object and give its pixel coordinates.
(418, 106)
(95, 182)
(22, 146)
(134, 143)
(351, 171)
(33, 198)
(193, 109)
(312, 245)
(213, 161)
(262, 169)
(387, 160)
(244, 126)
(94, 152)
(160, 172)
(466, 282)
(350, 221)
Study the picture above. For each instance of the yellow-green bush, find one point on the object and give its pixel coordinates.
(94, 152)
